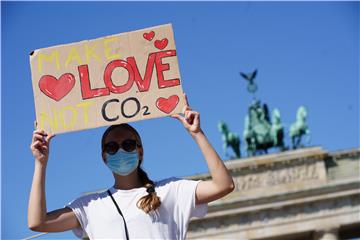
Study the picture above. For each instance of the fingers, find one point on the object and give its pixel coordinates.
(49, 137)
(41, 132)
(185, 108)
(187, 114)
(40, 143)
(38, 137)
(190, 117)
(39, 146)
(190, 114)
(181, 119)
(42, 137)
(36, 144)
(178, 117)
(197, 118)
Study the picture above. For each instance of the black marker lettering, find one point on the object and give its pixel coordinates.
(103, 110)
(137, 107)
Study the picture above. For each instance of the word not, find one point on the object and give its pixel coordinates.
(59, 116)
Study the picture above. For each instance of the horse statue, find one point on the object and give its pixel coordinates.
(299, 128)
(277, 130)
(259, 133)
(230, 140)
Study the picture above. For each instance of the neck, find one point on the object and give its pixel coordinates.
(127, 182)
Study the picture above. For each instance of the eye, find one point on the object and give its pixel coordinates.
(111, 147)
(129, 145)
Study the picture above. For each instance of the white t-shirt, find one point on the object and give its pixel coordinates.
(99, 218)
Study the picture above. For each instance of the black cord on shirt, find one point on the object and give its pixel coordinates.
(117, 207)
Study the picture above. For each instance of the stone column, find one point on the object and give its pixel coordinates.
(326, 234)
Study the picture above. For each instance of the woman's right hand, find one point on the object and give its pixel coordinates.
(40, 146)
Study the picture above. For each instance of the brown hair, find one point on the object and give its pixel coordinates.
(148, 202)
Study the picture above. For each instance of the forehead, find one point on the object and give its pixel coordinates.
(119, 134)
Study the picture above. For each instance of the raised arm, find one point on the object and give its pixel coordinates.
(38, 219)
(221, 183)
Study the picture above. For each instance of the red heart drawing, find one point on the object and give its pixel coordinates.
(54, 88)
(149, 36)
(161, 44)
(166, 105)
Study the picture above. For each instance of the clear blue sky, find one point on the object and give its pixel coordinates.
(307, 53)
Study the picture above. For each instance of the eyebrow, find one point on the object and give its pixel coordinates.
(122, 140)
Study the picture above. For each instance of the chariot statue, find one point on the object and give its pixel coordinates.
(261, 132)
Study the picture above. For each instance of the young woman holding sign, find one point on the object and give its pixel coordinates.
(134, 207)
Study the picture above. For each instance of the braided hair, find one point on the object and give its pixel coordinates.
(151, 201)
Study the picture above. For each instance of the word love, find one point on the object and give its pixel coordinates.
(58, 88)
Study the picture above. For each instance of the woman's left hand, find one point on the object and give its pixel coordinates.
(190, 120)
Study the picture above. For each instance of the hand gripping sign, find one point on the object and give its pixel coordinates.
(115, 79)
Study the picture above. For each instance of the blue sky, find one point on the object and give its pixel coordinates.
(307, 54)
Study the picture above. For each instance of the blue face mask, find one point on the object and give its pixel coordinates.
(122, 163)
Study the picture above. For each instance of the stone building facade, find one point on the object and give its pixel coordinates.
(307, 194)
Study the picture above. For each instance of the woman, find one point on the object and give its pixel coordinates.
(135, 207)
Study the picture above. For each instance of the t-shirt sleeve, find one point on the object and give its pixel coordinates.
(186, 199)
(77, 205)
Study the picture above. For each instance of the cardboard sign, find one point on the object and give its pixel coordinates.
(115, 79)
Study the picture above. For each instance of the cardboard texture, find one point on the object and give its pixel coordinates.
(115, 79)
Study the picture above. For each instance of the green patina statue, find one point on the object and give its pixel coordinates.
(251, 87)
(299, 128)
(260, 132)
(277, 130)
(230, 140)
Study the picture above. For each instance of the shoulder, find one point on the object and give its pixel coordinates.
(166, 181)
(171, 181)
(88, 198)
(176, 182)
